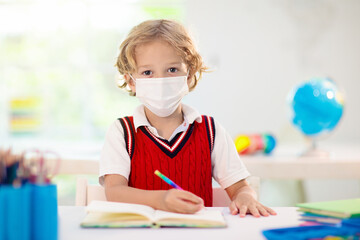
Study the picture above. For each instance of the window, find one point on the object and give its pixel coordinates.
(57, 75)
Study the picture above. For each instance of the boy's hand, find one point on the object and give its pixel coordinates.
(245, 203)
(181, 201)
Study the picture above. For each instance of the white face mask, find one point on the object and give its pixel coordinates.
(161, 96)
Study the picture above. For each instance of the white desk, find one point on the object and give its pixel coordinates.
(285, 163)
(248, 228)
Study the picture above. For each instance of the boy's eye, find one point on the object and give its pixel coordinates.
(172, 70)
(147, 72)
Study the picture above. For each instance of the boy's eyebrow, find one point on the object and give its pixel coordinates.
(144, 66)
(149, 66)
(172, 63)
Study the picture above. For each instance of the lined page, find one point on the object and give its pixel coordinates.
(212, 216)
(117, 207)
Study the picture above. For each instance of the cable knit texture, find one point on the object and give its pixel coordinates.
(188, 165)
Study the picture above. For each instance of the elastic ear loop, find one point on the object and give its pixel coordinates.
(187, 75)
(132, 78)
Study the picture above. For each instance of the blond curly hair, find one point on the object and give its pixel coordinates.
(168, 30)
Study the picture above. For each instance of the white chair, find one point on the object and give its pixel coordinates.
(85, 193)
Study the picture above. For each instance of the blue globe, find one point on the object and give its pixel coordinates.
(317, 106)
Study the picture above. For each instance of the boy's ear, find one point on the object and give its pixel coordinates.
(190, 77)
(130, 82)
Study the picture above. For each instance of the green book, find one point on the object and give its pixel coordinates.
(349, 208)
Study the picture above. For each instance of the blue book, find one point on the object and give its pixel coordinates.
(312, 232)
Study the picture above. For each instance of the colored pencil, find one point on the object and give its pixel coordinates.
(167, 180)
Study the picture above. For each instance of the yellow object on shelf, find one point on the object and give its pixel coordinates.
(242, 142)
(24, 115)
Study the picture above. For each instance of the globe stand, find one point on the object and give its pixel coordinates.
(313, 151)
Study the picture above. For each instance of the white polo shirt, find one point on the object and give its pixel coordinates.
(227, 167)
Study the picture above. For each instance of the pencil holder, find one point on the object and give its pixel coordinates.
(44, 212)
(2, 215)
(15, 211)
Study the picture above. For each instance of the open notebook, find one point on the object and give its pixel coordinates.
(103, 214)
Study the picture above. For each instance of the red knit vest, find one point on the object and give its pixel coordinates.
(186, 159)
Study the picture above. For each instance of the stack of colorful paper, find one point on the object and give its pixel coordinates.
(329, 220)
(330, 212)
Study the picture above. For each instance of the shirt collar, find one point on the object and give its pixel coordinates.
(190, 115)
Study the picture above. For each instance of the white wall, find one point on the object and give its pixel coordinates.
(260, 49)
